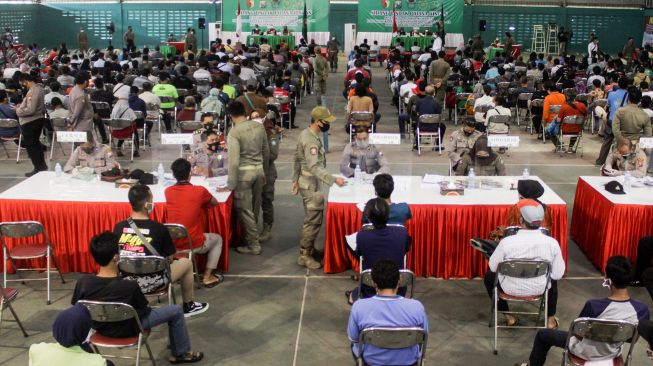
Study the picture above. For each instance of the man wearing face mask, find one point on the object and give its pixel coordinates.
(623, 157)
(208, 120)
(251, 100)
(364, 155)
(92, 155)
(309, 175)
(31, 114)
(461, 142)
(81, 112)
(209, 160)
(482, 159)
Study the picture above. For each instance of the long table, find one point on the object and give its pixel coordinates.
(423, 42)
(273, 41)
(605, 224)
(73, 211)
(441, 226)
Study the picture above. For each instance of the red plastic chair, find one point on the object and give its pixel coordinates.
(7, 295)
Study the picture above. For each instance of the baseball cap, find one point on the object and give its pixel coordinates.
(614, 187)
(531, 211)
(322, 113)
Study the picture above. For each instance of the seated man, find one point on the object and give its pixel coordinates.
(617, 306)
(644, 266)
(462, 141)
(428, 105)
(139, 224)
(498, 110)
(108, 286)
(528, 243)
(360, 153)
(482, 159)
(208, 124)
(625, 157)
(189, 110)
(386, 309)
(91, 155)
(570, 108)
(187, 205)
(399, 212)
(58, 110)
(210, 158)
(485, 100)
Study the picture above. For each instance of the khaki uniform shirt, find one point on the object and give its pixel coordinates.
(248, 148)
(439, 71)
(461, 144)
(370, 160)
(209, 164)
(496, 168)
(310, 158)
(101, 159)
(616, 165)
(631, 122)
(321, 67)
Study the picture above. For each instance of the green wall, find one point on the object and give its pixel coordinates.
(339, 15)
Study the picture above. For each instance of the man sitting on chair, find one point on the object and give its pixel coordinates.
(108, 286)
(617, 306)
(360, 153)
(529, 243)
(386, 309)
(462, 141)
(624, 156)
(429, 105)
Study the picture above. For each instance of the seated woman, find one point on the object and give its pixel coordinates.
(121, 110)
(482, 159)
(70, 330)
(378, 241)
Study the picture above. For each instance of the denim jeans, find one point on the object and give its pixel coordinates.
(177, 331)
(544, 340)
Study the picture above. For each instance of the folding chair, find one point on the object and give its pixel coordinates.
(428, 119)
(203, 87)
(111, 312)
(120, 124)
(284, 101)
(498, 119)
(190, 126)
(149, 265)
(179, 232)
(168, 111)
(571, 121)
(373, 56)
(360, 119)
(141, 116)
(7, 295)
(554, 110)
(604, 331)
(521, 269)
(59, 124)
(524, 97)
(502, 87)
(11, 123)
(183, 93)
(152, 107)
(406, 279)
(392, 338)
(32, 250)
(459, 98)
(535, 103)
(101, 108)
(603, 103)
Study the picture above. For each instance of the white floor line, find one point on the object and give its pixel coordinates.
(301, 318)
(340, 277)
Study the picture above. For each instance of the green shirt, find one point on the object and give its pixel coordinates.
(166, 90)
(230, 91)
(54, 354)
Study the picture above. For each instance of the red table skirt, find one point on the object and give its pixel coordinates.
(603, 229)
(179, 46)
(71, 225)
(440, 234)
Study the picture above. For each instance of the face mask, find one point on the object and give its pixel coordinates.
(607, 283)
(363, 144)
(88, 149)
(467, 133)
(149, 207)
(325, 127)
(214, 146)
(625, 156)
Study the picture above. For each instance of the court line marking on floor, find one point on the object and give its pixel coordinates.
(308, 275)
(301, 318)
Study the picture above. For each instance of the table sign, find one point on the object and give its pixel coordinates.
(385, 138)
(71, 136)
(646, 143)
(502, 141)
(177, 139)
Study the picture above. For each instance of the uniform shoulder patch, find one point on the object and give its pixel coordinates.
(314, 150)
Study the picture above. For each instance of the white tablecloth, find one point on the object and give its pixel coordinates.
(637, 195)
(411, 190)
(46, 186)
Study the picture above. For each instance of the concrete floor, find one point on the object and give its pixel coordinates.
(272, 312)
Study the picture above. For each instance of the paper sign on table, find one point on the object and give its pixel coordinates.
(177, 139)
(432, 179)
(646, 143)
(385, 138)
(71, 136)
(502, 141)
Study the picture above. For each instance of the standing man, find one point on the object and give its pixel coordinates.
(629, 49)
(631, 121)
(267, 202)
(81, 112)
(308, 176)
(438, 44)
(31, 115)
(249, 157)
(510, 41)
(130, 39)
(82, 40)
(439, 72)
(191, 41)
(333, 47)
(321, 75)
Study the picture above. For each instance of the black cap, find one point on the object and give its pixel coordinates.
(614, 187)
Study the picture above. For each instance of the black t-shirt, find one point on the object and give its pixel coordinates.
(90, 287)
(156, 233)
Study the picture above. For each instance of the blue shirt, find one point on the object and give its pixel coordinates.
(428, 105)
(7, 113)
(386, 311)
(491, 73)
(390, 242)
(615, 99)
(399, 214)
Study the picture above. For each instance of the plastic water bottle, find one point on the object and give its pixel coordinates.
(358, 175)
(471, 179)
(161, 173)
(58, 170)
(627, 181)
(526, 174)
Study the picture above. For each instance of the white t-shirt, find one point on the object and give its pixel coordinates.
(437, 44)
(484, 100)
(497, 127)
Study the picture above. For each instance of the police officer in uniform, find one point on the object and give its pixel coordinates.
(360, 153)
(482, 159)
(210, 159)
(249, 157)
(267, 201)
(461, 142)
(208, 121)
(308, 176)
(625, 156)
(91, 155)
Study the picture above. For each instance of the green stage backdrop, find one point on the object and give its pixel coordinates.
(376, 15)
(277, 13)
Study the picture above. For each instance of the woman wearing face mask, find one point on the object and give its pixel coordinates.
(482, 159)
(364, 155)
(92, 155)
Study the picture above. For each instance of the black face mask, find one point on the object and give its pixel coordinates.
(214, 146)
(468, 133)
(88, 149)
(325, 127)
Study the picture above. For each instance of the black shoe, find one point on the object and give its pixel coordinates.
(44, 147)
(293, 127)
(35, 171)
(136, 154)
(105, 142)
(119, 153)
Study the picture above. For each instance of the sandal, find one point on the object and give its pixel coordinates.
(516, 323)
(190, 357)
(348, 296)
(219, 279)
(557, 322)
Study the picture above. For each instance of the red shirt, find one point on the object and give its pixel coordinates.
(280, 92)
(186, 204)
(351, 74)
(566, 110)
